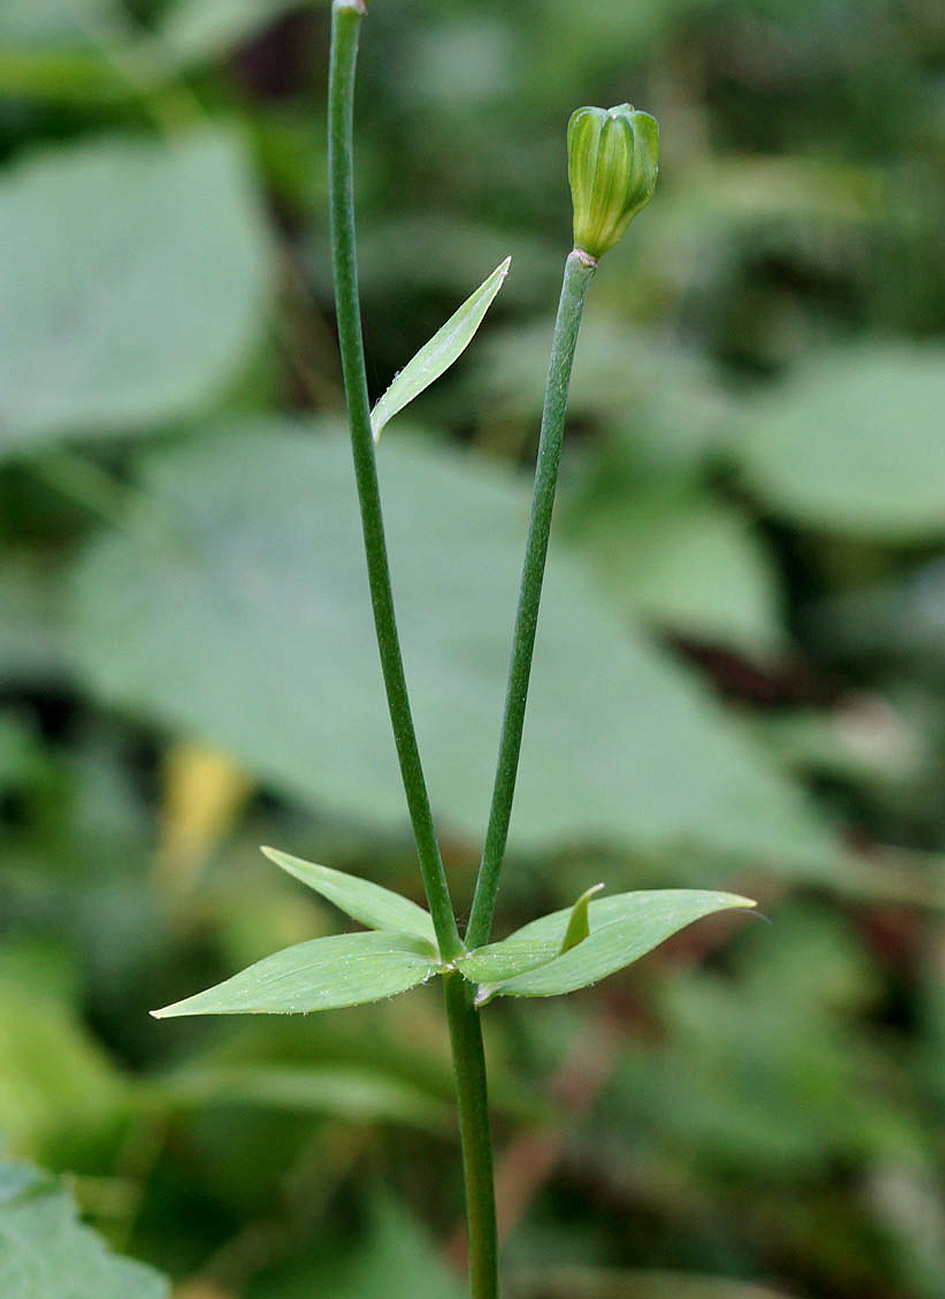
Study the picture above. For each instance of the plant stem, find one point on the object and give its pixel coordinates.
(578, 272)
(345, 29)
(465, 1031)
(472, 1098)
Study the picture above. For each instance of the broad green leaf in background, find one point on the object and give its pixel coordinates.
(852, 443)
(57, 22)
(45, 1253)
(68, 51)
(140, 307)
(533, 963)
(255, 634)
(667, 400)
(196, 31)
(438, 354)
(322, 974)
(368, 903)
(684, 562)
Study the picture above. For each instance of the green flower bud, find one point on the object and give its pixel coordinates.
(613, 160)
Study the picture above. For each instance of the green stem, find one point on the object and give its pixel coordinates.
(472, 1098)
(578, 272)
(346, 25)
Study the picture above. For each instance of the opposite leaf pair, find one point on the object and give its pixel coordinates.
(559, 953)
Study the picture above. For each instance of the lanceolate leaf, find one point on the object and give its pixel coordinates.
(322, 974)
(368, 903)
(622, 929)
(436, 356)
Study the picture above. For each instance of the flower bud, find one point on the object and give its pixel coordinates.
(613, 160)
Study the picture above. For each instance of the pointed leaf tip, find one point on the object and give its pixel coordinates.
(536, 961)
(368, 903)
(578, 924)
(321, 974)
(438, 354)
(623, 929)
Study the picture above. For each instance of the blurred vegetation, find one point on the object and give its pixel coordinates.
(740, 676)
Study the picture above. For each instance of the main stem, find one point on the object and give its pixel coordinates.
(578, 272)
(472, 1098)
(346, 25)
(465, 1029)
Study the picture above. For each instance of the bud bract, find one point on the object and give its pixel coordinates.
(613, 160)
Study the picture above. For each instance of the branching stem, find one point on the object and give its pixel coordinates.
(464, 1022)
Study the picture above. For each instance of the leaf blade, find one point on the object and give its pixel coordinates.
(622, 929)
(321, 974)
(438, 353)
(368, 903)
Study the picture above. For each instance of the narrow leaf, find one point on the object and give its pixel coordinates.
(369, 904)
(578, 926)
(322, 974)
(531, 962)
(437, 355)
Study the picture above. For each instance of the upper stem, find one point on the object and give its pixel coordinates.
(346, 25)
(578, 272)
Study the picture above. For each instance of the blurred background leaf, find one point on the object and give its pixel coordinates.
(44, 1251)
(141, 306)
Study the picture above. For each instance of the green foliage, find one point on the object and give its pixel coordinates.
(538, 960)
(45, 1252)
(197, 31)
(275, 548)
(142, 305)
(363, 901)
(684, 561)
(323, 974)
(879, 472)
(741, 655)
(53, 22)
(436, 356)
(54, 1077)
(578, 922)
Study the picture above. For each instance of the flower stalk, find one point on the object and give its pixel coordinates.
(347, 16)
(578, 273)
